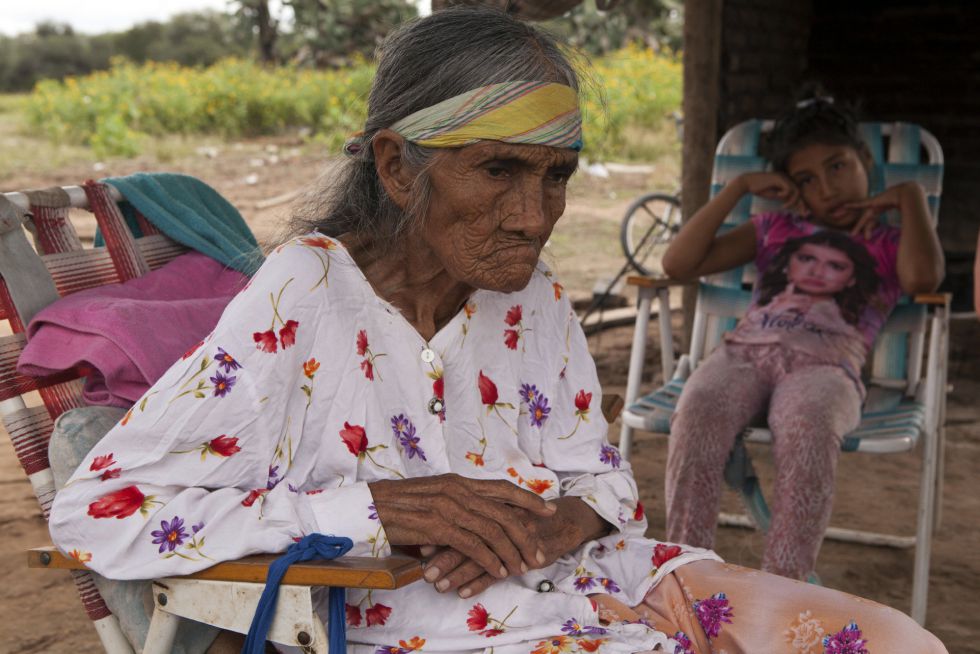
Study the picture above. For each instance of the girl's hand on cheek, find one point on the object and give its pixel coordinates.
(869, 210)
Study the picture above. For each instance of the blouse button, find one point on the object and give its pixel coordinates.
(428, 355)
(546, 586)
(436, 406)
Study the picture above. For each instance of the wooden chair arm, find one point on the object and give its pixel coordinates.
(348, 572)
(612, 406)
(933, 299)
(655, 282)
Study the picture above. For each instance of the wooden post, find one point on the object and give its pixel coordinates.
(702, 90)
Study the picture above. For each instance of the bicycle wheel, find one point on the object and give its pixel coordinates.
(649, 224)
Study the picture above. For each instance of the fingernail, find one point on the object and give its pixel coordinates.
(551, 506)
(502, 572)
(523, 568)
(431, 573)
(466, 592)
(540, 557)
(442, 585)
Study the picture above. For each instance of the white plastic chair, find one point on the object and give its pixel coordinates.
(907, 388)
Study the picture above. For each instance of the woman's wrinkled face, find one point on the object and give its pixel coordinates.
(492, 208)
(820, 270)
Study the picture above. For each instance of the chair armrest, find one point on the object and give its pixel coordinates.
(655, 282)
(612, 406)
(349, 572)
(933, 299)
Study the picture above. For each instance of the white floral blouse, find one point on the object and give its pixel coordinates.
(310, 387)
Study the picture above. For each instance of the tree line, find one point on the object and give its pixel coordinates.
(314, 33)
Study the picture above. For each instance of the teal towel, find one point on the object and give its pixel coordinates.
(191, 213)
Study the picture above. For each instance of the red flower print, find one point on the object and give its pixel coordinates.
(438, 388)
(582, 401)
(558, 289)
(476, 459)
(224, 445)
(490, 633)
(478, 618)
(510, 338)
(377, 614)
(488, 390)
(469, 309)
(354, 438)
(120, 504)
(129, 414)
(591, 645)
(638, 513)
(514, 315)
(363, 349)
(663, 553)
(310, 367)
(414, 643)
(190, 352)
(266, 341)
(81, 557)
(101, 462)
(538, 485)
(253, 495)
(287, 335)
(110, 474)
(321, 242)
(353, 615)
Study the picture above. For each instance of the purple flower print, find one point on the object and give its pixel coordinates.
(399, 424)
(374, 512)
(712, 612)
(222, 384)
(198, 527)
(573, 628)
(539, 411)
(684, 644)
(846, 641)
(170, 535)
(583, 584)
(610, 456)
(273, 478)
(529, 393)
(405, 431)
(226, 361)
(608, 584)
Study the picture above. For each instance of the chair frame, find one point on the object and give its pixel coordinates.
(224, 595)
(930, 391)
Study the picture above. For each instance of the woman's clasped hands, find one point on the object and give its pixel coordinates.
(475, 532)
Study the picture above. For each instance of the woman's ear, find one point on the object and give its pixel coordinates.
(395, 176)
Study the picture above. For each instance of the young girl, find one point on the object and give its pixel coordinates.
(830, 273)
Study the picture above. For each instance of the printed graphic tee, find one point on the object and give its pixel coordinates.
(820, 291)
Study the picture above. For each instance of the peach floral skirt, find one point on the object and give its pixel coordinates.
(718, 608)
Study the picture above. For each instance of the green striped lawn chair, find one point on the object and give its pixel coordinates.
(906, 400)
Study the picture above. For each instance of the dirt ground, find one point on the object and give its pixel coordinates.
(39, 611)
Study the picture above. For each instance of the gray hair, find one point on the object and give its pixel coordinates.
(420, 64)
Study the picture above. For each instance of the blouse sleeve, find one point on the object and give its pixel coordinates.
(191, 475)
(573, 441)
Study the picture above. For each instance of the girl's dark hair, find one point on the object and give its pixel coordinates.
(815, 118)
(851, 300)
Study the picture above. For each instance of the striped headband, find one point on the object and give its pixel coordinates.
(542, 113)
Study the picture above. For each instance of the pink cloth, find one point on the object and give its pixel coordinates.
(820, 291)
(129, 334)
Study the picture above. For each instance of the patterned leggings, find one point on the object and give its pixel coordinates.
(811, 407)
(717, 608)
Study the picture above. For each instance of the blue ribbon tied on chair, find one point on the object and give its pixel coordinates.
(313, 546)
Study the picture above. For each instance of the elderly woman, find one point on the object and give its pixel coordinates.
(410, 374)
